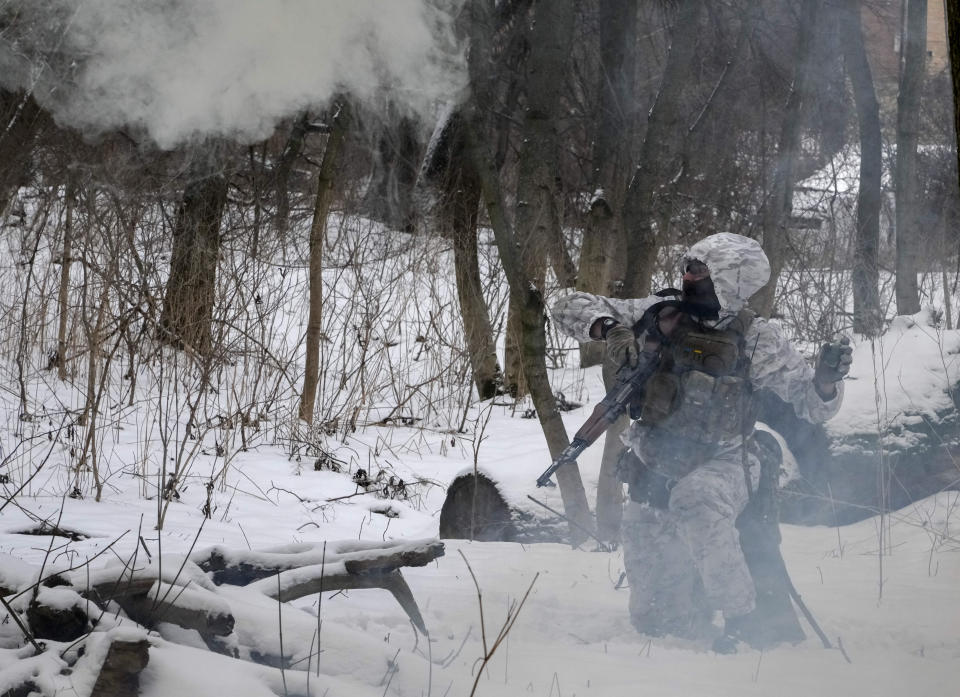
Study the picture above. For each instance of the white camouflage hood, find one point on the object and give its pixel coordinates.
(738, 267)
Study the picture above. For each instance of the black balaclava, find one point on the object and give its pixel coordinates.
(697, 290)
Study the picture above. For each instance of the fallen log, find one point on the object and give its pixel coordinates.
(190, 608)
(24, 689)
(58, 614)
(297, 583)
(479, 507)
(305, 569)
(120, 673)
(242, 567)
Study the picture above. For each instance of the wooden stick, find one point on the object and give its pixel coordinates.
(806, 612)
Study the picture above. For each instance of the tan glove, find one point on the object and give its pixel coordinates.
(622, 347)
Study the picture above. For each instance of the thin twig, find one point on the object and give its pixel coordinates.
(186, 558)
(72, 568)
(323, 567)
(391, 670)
(512, 613)
(603, 545)
(283, 674)
(447, 662)
(54, 441)
(843, 650)
(23, 628)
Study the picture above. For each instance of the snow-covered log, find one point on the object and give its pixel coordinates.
(185, 598)
(488, 506)
(120, 580)
(296, 583)
(191, 608)
(120, 671)
(16, 574)
(305, 569)
(59, 614)
(241, 567)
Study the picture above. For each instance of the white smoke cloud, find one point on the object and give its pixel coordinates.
(182, 69)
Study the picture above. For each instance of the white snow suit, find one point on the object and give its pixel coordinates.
(694, 540)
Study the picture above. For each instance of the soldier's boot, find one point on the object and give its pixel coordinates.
(748, 629)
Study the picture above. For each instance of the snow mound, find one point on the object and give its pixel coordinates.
(902, 384)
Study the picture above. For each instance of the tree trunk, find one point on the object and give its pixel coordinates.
(658, 152)
(318, 229)
(476, 319)
(908, 127)
(64, 290)
(549, 47)
(281, 181)
(21, 121)
(449, 169)
(779, 202)
(390, 197)
(550, 39)
(256, 171)
(463, 200)
(513, 381)
(561, 262)
(602, 246)
(185, 320)
(866, 277)
(830, 107)
(953, 40)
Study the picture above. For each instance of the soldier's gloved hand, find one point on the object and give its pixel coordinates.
(622, 348)
(833, 363)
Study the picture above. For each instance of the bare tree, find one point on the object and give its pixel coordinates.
(64, 289)
(191, 287)
(658, 153)
(778, 202)
(549, 47)
(396, 159)
(21, 122)
(866, 275)
(318, 228)
(602, 245)
(912, 72)
(953, 39)
(281, 179)
(450, 168)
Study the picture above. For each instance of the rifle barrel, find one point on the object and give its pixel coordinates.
(568, 454)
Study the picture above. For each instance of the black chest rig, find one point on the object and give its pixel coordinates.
(701, 389)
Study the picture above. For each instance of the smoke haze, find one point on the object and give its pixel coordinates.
(181, 69)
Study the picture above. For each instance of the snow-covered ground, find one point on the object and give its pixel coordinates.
(572, 635)
(393, 352)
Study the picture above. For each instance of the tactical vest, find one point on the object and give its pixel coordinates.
(701, 390)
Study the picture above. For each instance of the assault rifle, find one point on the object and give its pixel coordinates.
(628, 386)
(630, 381)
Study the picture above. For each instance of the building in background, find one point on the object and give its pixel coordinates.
(883, 27)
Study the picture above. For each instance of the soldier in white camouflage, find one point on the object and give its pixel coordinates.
(695, 429)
